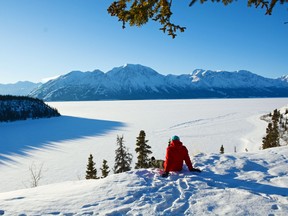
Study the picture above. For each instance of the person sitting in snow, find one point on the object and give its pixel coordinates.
(176, 153)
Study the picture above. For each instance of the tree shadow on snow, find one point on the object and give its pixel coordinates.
(18, 137)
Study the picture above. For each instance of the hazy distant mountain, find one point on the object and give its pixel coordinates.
(19, 88)
(141, 82)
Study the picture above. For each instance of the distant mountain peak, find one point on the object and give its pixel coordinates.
(133, 67)
(19, 88)
(73, 73)
(129, 70)
(128, 65)
(197, 71)
(135, 81)
(284, 78)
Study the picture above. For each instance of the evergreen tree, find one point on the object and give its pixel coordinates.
(267, 139)
(105, 169)
(276, 115)
(272, 138)
(221, 149)
(123, 158)
(276, 136)
(142, 148)
(91, 172)
(14, 108)
(139, 13)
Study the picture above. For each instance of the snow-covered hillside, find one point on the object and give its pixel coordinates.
(230, 184)
(141, 82)
(284, 78)
(237, 79)
(63, 144)
(242, 183)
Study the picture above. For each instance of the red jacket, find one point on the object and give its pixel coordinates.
(176, 153)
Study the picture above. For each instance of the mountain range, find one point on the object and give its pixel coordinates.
(19, 88)
(140, 82)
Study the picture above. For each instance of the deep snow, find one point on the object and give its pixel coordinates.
(63, 144)
(242, 183)
(230, 184)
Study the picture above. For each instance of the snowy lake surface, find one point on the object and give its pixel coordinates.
(62, 145)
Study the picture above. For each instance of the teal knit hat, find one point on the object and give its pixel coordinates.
(175, 138)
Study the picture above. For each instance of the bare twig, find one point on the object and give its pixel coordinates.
(35, 174)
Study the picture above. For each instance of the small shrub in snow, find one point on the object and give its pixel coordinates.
(221, 149)
(105, 169)
(35, 174)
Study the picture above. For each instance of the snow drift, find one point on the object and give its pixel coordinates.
(230, 184)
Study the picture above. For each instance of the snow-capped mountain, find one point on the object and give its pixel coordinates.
(238, 79)
(284, 78)
(141, 82)
(19, 88)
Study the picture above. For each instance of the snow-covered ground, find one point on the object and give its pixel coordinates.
(230, 184)
(62, 146)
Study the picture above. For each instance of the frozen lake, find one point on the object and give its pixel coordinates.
(203, 125)
(63, 144)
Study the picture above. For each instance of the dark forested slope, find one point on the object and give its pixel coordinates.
(13, 108)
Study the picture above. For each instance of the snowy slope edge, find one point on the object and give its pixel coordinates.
(230, 184)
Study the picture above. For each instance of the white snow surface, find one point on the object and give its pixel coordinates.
(230, 184)
(241, 183)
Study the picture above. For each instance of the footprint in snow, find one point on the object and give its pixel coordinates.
(90, 205)
(68, 214)
(275, 207)
(15, 198)
(55, 213)
(88, 213)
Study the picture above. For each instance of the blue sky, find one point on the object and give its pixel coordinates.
(46, 38)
